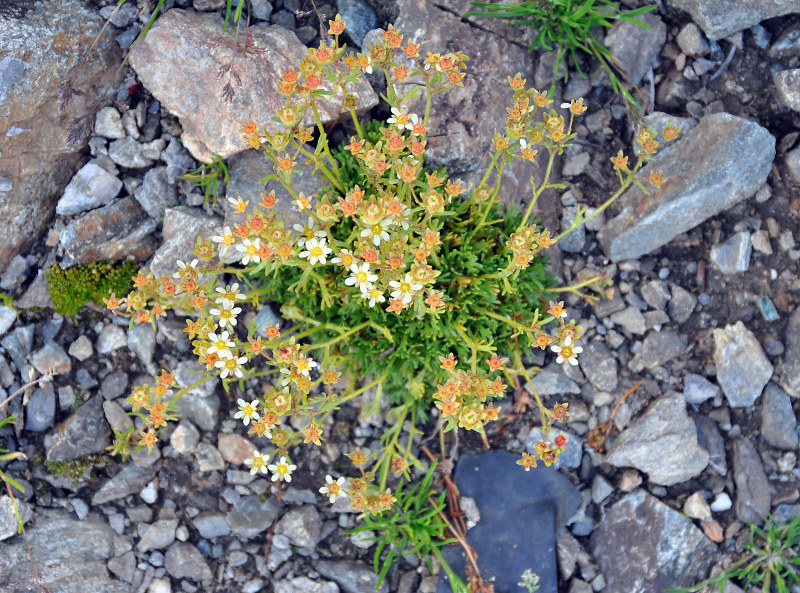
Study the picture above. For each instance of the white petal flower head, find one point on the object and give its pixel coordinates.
(182, 267)
(249, 250)
(307, 232)
(567, 352)
(221, 344)
(226, 239)
(377, 232)
(229, 294)
(239, 205)
(316, 251)
(257, 463)
(247, 411)
(304, 365)
(345, 258)
(405, 289)
(282, 470)
(226, 314)
(372, 295)
(333, 489)
(400, 119)
(361, 277)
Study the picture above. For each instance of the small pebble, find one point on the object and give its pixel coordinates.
(722, 502)
(149, 493)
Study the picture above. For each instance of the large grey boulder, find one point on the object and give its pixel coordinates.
(720, 18)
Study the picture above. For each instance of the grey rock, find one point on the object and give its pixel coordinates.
(127, 152)
(180, 231)
(657, 349)
(111, 337)
(574, 241)
(718, 181)
(753, 495)
(352, 576)
(642, 545)
(72, 554)
(156, 194)
(114, 384)
(211, 524)
(184, 438)
(792, 161)
(41, 409)
(304, 584)
(662, 442)
(178, 160)
(90, 188)
(742, 368)
(15, 274)
(122, 17)
(109, 124)
(80, 507)
(576, 165)
(787, 85)
(631, 320)
(179, 42)
(262, 9)
(778, 421)
(117, 419)
(157, 536)
(697, 389)
(200, 404)
(208, 458)
(551, 380)
(656, 294)
(692, 41)
(720, 18)
(18, 345)
(710, 439)
(119, 230)
(51, 358)
(360, 19)
(599, 365)
(786, 513)
(184, 561)
(302, 525)
(81, 348)
(83, 433)
(9, 522)
(7, 318)
(123, 566)
(682, 304)
(129, 481)
(142, 342)
(790, 371)
(787, 45)
(601, 489)
(635, 47)
(570, 458)
(38, 49)
(732, 256)
(251, 516)
(267, 317)
(153, 149)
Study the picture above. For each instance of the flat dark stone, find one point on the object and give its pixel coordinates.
(520, 514)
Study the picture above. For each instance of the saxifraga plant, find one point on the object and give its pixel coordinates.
(71, 288)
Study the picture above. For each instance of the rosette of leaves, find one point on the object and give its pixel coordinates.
(469, 263)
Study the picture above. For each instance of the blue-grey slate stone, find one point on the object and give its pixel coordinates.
(85, 432)
(520, 514)
(360, 19)
(41, 409)
(778, 422)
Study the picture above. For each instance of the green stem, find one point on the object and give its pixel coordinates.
(324, 138)
(537, 192)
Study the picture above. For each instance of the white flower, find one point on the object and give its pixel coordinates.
(361, 277)
(400, 119)
(404, 289)
(304, 365)
(377, 231)
(231, 366)
(249, 250)
(238, 204)
(229, 294)
(565, 105)
(307, 232)
(226, 314)
(257, 462)
(345, 258)
(333, 489)
(316, 251)
(282, 470)
(567, 352)
(182, 267)
(373, 295)
(247, 411)
(220, 344)
(225, 240)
